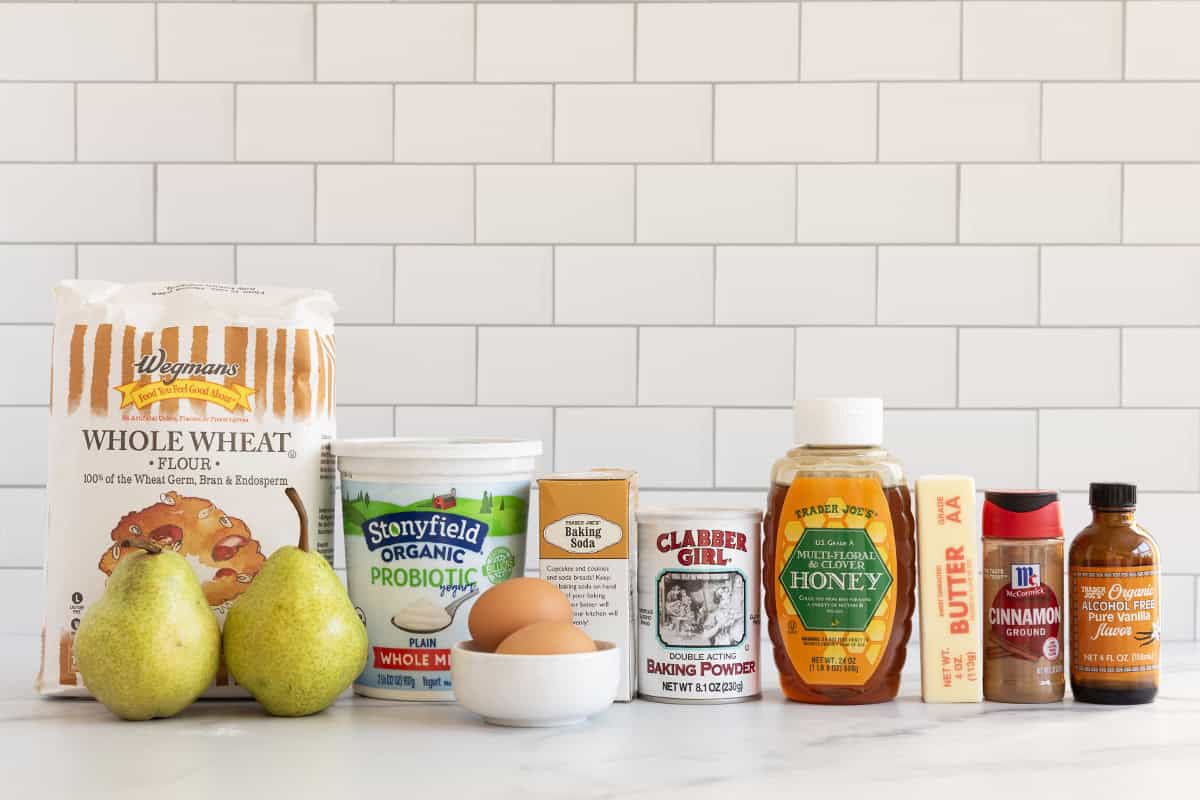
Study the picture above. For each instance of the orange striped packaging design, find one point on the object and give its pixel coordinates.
(180, 413)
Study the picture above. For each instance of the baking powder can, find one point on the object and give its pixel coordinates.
(698, 604)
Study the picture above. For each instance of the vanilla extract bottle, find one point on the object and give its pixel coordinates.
(1115, 632)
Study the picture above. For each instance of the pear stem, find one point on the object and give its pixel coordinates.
(144, 544)
(294, 496)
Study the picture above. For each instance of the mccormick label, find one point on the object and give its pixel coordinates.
(834, 579)
(1115, 618)
(698, 617)
(417, 556)
(1026, 615)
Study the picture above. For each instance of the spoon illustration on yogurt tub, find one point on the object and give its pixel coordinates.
(424, 616)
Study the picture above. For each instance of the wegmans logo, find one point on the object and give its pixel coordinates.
(183, 380)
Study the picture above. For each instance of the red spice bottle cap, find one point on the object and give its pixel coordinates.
(1022, 515)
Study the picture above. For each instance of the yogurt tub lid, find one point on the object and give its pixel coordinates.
(425, 448)
(695, 512)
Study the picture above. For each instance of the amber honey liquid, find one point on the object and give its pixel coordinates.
(818, 661)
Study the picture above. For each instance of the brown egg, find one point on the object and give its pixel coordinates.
(513, 604)
(547, 639)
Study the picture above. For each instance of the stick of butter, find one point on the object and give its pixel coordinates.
(947, 557)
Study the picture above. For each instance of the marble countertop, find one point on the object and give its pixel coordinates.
(368, 748)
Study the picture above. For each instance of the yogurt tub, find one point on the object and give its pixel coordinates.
(429, 524)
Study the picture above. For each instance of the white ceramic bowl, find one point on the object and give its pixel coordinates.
(535, 691)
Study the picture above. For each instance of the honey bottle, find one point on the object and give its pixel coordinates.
(1114, 569)
(839, 557)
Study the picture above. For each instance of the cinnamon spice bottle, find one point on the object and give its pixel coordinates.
(1023, 597)
(839, 557)
(1114, 568)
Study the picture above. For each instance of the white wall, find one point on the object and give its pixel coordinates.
(634, 231)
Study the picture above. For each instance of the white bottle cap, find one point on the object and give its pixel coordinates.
(839, 420)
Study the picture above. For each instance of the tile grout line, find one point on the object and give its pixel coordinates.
(713, 253)
(1121, 207)
(1124, 37)
(1039, 287)
(962, 24)
(878, 120)
(75, 122)
(1121, 367)
(876, 324)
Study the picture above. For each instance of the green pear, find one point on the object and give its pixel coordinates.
(150, 645)
(293, 638)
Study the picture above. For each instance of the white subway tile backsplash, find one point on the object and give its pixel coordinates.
(27, 356)
(477, 285)
(912, 367)
(795, 286)
(1121, 285)
(1162, 203)
(559, 42)
(70, 41)
(239, 203)
(362, 422)
(21, 544)
(76, 202)
(1156, 449)
(1178, 608)
(30, 272)
(997, 448)
(557, 366)
(131, 263)
(38, 121)
(359, 276)
(1065, 203)
(744, 41)
(314, 123)
(958, 285)
(633, 285)
(674, 445)
(155, 122)
(21, 602)
(1160, 39)
(719, 204)
(560, 203)
(1157, 367)
(1041, 40)
(851, 40)
(1122, 122)
(635, 230)
(632, 123)
(235, 42)
(875, 203)
(795, 122)
(958, 121)
(382, 365)
(715, 366)
(1158, 512)
(466, 421)
(748, 441)
(382, 204)
(1029, 367)
(25, 430)
(465, 123)
(398, 42)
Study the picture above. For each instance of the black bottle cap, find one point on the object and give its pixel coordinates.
(1021, 502)
(1112, 495)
